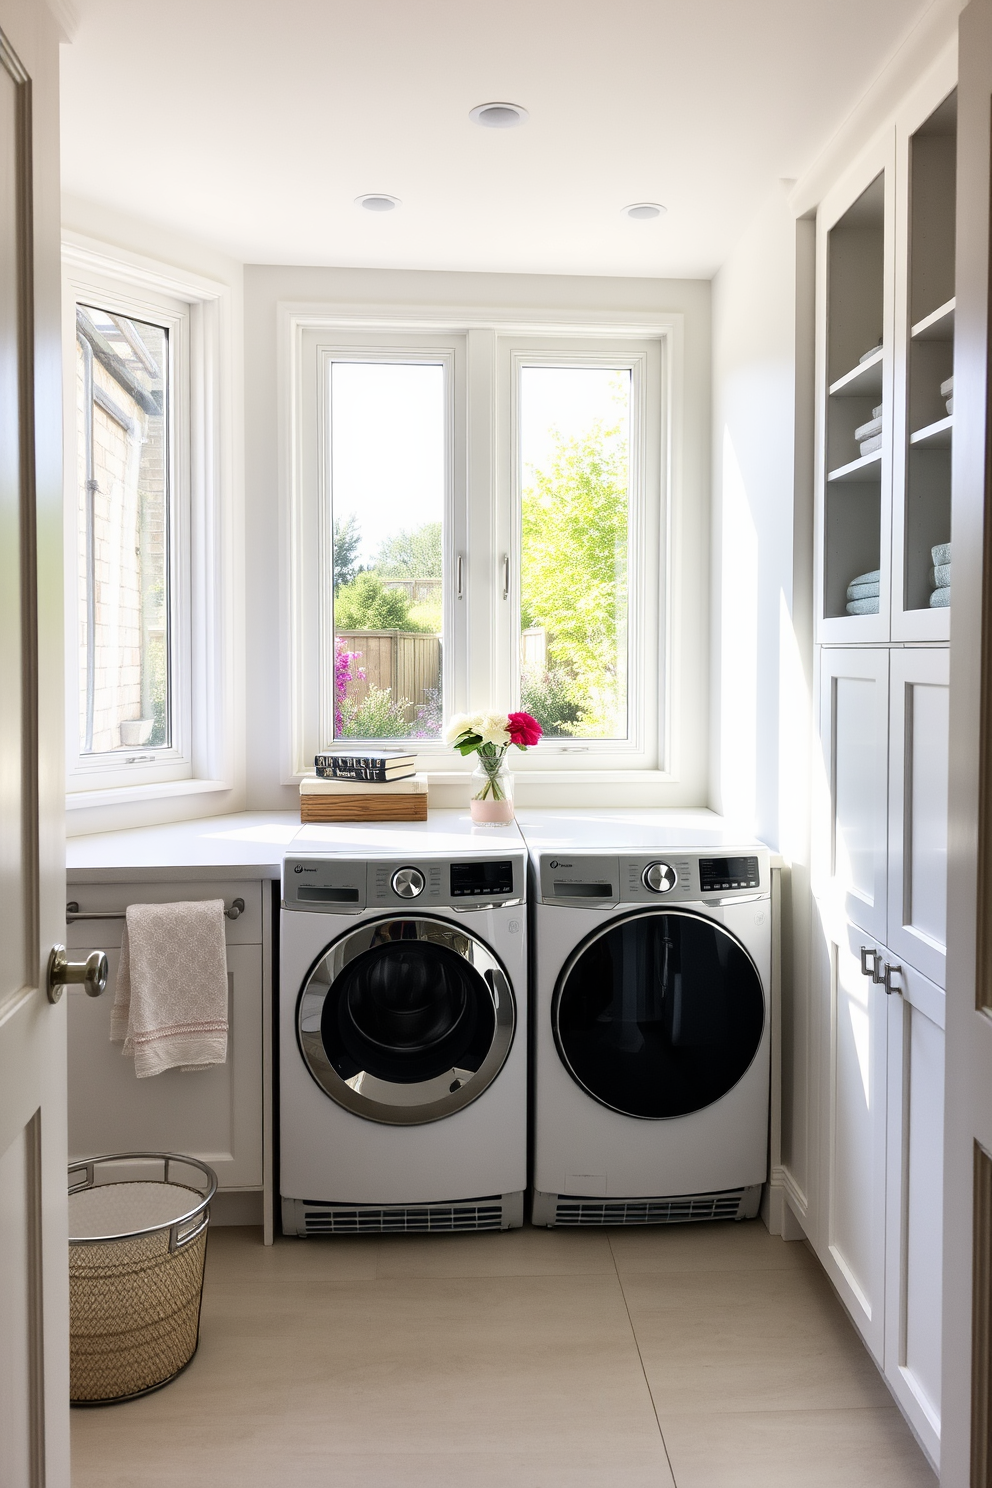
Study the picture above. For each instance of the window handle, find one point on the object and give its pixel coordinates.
(460, 577)
(506, 575)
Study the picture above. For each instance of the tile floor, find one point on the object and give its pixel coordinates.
(702, 1356)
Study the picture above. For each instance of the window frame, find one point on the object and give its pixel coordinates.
(645, 554)
(447, 352)
(197, 310)
(171, 762)
(487, 667)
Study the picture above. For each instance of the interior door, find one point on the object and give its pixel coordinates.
(966, 1391)
(34, 1415)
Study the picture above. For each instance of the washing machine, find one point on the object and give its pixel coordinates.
(403, 1032)
(650, 989)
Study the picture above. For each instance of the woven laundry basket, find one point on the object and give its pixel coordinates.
(136, 1253)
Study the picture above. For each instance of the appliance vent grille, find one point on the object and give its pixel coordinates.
(677, 1210)
(337, 1219)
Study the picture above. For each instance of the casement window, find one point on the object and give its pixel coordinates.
(131, 517)
(144, 610)
(477, 519)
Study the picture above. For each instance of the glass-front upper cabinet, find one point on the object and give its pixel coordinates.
(885, 368)
(921, 518)
(855, 468)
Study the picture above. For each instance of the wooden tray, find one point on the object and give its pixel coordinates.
(363, 808)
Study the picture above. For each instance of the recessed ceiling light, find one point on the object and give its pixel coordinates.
(644, 211)
(377, 201)
(499, 115)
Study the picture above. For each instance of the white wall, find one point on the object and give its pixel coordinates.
(761, 618)
(754, 397)
(265, 288)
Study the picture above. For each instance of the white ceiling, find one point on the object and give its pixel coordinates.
(253, 125)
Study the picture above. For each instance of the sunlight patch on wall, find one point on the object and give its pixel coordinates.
(739, 644)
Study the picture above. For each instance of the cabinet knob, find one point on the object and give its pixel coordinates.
(91, 973)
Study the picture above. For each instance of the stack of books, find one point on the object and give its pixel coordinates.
(374, 784)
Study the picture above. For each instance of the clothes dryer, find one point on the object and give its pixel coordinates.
(651, 970)
(403, 1035)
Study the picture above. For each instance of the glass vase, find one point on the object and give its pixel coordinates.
(492, 793)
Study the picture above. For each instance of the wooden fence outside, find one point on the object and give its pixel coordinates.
(534, 649)
(404, 663)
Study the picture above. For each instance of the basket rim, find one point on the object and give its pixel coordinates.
(88, 1166)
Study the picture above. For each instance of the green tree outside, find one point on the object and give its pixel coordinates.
(417, 554)
(347, 539)
(366, 604)
(574, 583)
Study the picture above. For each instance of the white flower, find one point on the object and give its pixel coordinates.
(492, 729)
(462, 723)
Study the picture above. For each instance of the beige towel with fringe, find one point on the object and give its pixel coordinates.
(170, 1004)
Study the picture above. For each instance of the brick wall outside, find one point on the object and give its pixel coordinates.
(130, 528)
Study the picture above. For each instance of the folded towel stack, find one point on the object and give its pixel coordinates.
(863, 593)
(869, 436)
(947, 392)
(940, 575)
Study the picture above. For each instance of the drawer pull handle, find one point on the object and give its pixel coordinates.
(871, 971)
(73, 912)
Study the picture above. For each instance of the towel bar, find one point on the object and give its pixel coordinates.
(72, 912)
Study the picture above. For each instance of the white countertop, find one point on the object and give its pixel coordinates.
(652, 829)
(252, 844)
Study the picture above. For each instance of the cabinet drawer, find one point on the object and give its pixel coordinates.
(104, 935)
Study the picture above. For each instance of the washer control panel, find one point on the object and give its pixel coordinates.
(347, 885)
(601, 880)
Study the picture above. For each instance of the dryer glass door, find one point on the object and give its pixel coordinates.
(405, 1020)
(658, 1014)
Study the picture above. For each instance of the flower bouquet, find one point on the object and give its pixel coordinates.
(489, 736)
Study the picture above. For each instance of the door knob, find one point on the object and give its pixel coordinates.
(91, 973)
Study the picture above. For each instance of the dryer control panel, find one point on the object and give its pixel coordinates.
(602, 880)
(346, 885)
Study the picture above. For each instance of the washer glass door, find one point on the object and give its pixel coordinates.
(658, 1015)
(405, 1020)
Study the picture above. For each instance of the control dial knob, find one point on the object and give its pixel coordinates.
(408, 882)
(660, 878)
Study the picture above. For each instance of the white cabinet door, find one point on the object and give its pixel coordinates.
(918, 731)
(914, 1203)
(852, 787)
(851, 1230)
(213, 1114)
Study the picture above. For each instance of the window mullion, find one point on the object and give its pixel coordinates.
(486, 647)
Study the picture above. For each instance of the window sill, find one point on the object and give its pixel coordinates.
(156, 791)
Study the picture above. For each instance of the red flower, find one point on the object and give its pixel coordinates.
(523, 729)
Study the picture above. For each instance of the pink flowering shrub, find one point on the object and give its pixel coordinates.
(343, 674)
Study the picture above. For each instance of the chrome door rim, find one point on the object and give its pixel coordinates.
(597, 934)
(389, 1102)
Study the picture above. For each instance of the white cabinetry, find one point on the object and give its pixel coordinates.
(850, 862)
(885, 343)
(218, 1114)
(878, 971)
